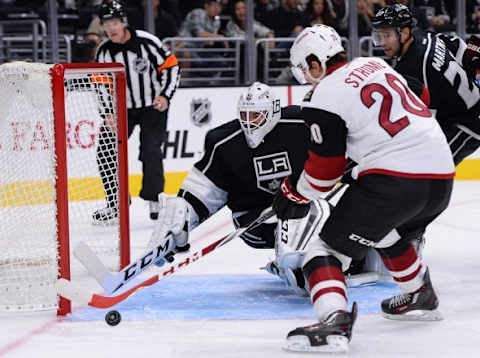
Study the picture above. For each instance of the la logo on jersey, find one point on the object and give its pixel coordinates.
(270, 171)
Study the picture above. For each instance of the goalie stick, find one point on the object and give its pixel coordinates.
(115, 281)
(111, 282)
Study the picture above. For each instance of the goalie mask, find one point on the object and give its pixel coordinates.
(319, 40)
(258, 113)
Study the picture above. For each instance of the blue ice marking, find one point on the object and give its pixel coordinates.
(229, 297)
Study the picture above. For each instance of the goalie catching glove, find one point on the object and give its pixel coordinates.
(173, 223)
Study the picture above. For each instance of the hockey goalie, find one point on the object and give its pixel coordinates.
(244, 162)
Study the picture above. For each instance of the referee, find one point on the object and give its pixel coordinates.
(152, 77)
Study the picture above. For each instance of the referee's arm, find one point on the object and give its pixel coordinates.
(168, 74)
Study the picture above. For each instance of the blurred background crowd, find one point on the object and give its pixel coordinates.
(215, 21)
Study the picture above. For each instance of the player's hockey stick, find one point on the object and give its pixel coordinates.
(73, 292)
(111, 282)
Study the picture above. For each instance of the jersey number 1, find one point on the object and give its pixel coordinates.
(393, 127)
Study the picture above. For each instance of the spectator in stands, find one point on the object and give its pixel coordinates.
(172, 7)
(340, 9)
(95, 34)
(436, 14)
(320, 12)
(165, 24)
(203, 22)
(263, 7)
(286, 20)
(236, 28)
(473, 16)
(366, 12)
(237, 25)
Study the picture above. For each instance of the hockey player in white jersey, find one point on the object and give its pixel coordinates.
(364, 109)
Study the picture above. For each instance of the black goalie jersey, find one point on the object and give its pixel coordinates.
(243, 178)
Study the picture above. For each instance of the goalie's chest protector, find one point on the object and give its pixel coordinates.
(251, 176)
(389, 128)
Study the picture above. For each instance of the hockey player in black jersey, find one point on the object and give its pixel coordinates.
(243, 165)
(444, 65)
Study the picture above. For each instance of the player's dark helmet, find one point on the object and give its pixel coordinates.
(396, 16)
(111, 10)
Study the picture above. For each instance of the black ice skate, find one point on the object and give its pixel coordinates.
(420, 305)
(330, 335)
(105, 216)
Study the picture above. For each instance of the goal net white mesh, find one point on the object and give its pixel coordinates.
(29, 259)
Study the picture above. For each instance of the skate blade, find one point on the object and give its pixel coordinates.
(416, 315)
(335, 344)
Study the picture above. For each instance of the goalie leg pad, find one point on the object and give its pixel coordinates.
(290, 271)
(293, 237)
(298, 234)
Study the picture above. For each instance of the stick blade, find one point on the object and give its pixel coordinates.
(72, 292)
(100, 301)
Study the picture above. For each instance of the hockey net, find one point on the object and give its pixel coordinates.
(50, 182)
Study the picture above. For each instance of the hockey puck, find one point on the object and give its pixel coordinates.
(113, 318)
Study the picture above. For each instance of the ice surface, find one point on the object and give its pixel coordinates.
(179, 317)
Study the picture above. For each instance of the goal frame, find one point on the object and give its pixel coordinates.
(58, 72)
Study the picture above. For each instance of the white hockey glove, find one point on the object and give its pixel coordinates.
(172, 220)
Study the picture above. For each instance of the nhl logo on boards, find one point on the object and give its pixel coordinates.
(200, 111)
(140, 65)
(270, 171)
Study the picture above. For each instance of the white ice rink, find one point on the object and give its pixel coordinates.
(452, 252)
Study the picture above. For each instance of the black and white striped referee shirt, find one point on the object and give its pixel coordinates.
(151, 69)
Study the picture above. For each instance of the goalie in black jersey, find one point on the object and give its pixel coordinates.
(445, 65)
(243, 165)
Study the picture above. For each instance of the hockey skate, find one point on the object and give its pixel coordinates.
(420, 305)
(105, 216)
(331, 335)
(154, 207)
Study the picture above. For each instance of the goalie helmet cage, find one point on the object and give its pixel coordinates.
(51, 117)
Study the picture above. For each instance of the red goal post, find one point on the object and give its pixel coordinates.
(50, 120)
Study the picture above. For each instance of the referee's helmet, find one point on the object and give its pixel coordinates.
(112, 10)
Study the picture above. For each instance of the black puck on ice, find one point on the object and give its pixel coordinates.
(113, 318)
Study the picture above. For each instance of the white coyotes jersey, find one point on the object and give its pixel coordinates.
(390, 130)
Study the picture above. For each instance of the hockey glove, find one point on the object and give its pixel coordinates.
(288, 204)
(172, 220)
